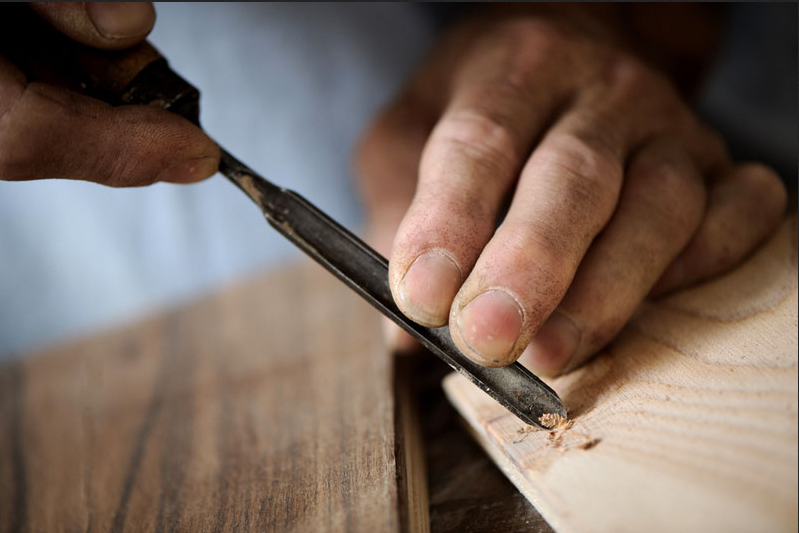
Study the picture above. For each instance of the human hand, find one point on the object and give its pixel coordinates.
(616, 190)
(51, 132)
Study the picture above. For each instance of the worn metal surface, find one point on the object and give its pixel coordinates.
(366, 272)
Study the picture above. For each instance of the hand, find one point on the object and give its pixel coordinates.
(614, 189)
(50, 132)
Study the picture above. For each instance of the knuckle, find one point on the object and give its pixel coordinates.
(629, 74)
(593, 169)
(510, 91)
(677, 197)
(485, 137)
(668, 184)
(668, 180)
(664, 164)
(625, 82)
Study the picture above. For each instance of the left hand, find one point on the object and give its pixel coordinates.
(616, 189)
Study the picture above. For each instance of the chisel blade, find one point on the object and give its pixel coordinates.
(366, 272)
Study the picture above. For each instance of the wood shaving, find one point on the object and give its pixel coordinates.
(557, 434)
(555, 421)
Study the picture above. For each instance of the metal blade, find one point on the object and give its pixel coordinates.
(366, 272)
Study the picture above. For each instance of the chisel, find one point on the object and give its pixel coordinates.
(140, 75)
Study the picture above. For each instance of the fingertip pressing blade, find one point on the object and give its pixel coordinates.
(366, 272)
(516, 388)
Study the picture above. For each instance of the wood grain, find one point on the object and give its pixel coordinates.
(267, 407)
(410, 450)
(467, 492)
(687, 422)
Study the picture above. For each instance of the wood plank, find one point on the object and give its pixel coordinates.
(467, 492)
(410, 450)
(687, 422)
(266, 407)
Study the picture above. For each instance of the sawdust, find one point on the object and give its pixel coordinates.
(555, 421)
(560, 436)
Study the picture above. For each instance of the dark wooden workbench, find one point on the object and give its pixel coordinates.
(265, 406)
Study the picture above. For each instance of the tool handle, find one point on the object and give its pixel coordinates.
(137, 75)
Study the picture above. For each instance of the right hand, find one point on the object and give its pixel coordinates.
(615, 189)
(51, 132)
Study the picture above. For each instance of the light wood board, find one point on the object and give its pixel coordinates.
(265, 407)
(687, 422)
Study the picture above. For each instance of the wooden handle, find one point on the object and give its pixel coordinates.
(45, 55)
(137, 75)
(110, 72)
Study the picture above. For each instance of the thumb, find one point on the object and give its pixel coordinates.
(49, 132)
(106, 25)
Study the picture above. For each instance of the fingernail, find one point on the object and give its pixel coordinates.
(554, 346)
(427, 290)
(118, 20)
(490, 325)
(190, 171)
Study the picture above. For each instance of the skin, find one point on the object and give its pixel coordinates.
(607, 186)
(50, 132)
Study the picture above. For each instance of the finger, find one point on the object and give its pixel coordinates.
(467, 169)
(388, 154)
(744, 205)
(660, 207)
(48, 132)
(566, 194)
(107, 25)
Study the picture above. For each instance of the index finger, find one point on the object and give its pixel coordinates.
(470, 163)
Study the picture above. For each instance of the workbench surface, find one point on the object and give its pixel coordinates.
(269, 405)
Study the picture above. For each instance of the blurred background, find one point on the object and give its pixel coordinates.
(288, 88)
